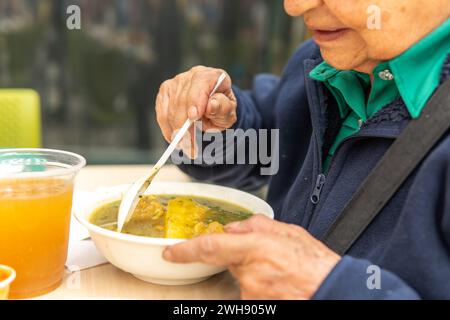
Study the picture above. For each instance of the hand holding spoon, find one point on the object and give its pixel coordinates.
(131, 198)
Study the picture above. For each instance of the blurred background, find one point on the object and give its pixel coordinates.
(97, 85)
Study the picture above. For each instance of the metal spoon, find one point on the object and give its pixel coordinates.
(131, 198)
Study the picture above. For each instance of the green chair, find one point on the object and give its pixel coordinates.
(20, 118)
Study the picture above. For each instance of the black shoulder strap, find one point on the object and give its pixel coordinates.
(405, 154)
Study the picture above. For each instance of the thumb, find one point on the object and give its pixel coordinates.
(221, 110)
(262, 224)
(257, 223)
(202, 84)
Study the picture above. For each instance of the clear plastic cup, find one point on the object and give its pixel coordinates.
(36, 189)
(7, 275)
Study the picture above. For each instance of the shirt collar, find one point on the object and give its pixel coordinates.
(417, 71)
(414, 75)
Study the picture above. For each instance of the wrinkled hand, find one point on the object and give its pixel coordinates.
(188, 96)
(270, 260)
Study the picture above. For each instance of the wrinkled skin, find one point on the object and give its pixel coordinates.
(272, 260)
(403, 23)
(187, 96)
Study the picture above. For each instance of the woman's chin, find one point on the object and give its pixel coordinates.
(340, 60)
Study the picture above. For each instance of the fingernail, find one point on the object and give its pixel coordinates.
(214, 107)
(193, 113)
(167, 255)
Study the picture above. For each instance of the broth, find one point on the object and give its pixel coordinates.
(171, 216)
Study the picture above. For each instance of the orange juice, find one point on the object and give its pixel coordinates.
(34, 230)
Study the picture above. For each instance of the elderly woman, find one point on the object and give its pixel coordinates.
(341, 102)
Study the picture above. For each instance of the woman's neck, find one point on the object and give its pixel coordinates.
(368, 67)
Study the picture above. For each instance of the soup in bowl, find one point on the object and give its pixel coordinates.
(167, 214)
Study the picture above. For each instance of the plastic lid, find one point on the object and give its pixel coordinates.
(19, 163)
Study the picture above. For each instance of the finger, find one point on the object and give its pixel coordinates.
(188, 144)
(257, 223)
(203, 83)
(262, 224)
(221, 110)
(178, 109)
(213, 108)
(217, 249)
(162, 106)
(193, 142)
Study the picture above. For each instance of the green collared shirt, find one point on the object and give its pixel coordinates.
(414, 75)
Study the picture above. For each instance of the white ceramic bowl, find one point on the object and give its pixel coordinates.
(142, 256)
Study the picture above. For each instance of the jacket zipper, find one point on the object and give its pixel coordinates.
(320, 182)
(321, 178)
